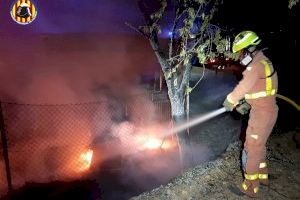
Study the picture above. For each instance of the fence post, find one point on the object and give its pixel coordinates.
(5, 149)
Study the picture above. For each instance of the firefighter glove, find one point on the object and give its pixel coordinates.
(228, 105)
(243, 108)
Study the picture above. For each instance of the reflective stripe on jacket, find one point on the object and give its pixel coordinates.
(269, 87)
(259, 80)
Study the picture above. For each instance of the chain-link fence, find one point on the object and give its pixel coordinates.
(42, 143)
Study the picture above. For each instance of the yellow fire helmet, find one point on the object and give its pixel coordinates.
(244, 40)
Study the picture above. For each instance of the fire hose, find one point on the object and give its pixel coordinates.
(215, 113)
(293, 103)
(158, 143)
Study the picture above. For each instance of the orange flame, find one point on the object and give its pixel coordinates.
(152, 143)
(86, 160)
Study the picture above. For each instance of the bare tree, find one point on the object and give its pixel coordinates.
(192, 38)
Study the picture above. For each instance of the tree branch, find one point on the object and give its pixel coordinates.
(185, 77)
(162, 61)
(177, 17)
(137, 30)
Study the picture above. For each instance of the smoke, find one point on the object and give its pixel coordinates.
(45, 145)
(143, 168)
(40, 155)
(149, 169)
(45, 142)
(69, 68)
(66, 69)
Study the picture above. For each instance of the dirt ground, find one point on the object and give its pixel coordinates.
(214, 179)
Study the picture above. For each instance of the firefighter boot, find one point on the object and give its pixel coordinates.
(250, 186)
(263, 174)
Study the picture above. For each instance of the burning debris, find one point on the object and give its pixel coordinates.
(69, 158)
(134, 139)
(65, 142)
(39, 159)
(86, 160)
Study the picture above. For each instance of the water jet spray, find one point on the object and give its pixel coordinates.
(197, 120)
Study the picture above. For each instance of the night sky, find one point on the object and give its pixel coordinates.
(261, 16)
(107, 16)
(61, 16)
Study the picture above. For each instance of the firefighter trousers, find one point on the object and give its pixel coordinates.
(260, 125)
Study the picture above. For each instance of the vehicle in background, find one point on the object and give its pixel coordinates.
(224, 64)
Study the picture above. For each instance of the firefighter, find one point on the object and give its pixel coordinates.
(23, 11)
(258, 88)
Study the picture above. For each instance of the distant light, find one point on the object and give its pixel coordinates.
(170, 33)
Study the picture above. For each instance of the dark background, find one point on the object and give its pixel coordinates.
(277, 25)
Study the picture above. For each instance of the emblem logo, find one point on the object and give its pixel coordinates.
(23, 12)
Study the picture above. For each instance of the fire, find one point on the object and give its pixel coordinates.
(86, 160)
(152, 143)
(143, 137)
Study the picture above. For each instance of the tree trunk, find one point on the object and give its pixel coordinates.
(176, 96)
(179, 117)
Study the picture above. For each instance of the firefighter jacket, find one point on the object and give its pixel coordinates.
(258, 85)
